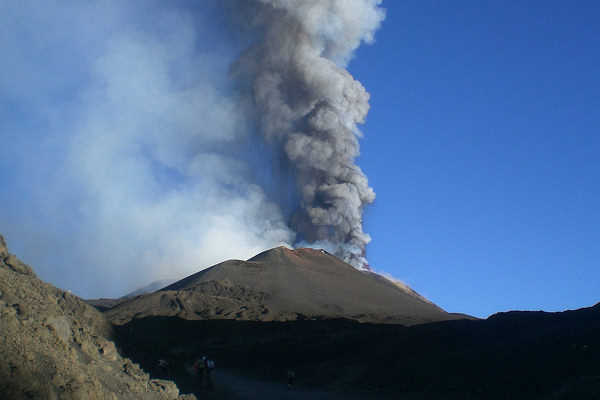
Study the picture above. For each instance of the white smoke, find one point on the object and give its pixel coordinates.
(123, 145)
(309, 106)
(128, 155)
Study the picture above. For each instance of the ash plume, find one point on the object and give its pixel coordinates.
(308, 107)
(128, 155)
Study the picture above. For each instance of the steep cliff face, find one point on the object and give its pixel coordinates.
(55, 346)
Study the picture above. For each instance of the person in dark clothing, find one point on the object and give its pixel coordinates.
(209, 366)
(164, 366)
(290, 376)
(199, 370)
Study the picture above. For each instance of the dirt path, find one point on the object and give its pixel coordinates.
(229, 385)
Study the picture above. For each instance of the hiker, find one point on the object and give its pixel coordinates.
(204, 369)
(163, 365)
(199, 369)
(290, 376)
(210, 365)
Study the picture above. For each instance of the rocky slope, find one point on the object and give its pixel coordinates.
(280, 285)
(55, 346)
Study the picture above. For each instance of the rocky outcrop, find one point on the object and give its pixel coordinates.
(11, 262)
(55, 346)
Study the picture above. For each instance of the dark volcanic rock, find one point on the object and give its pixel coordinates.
(515, 355)
(282, 285)
(55, 346)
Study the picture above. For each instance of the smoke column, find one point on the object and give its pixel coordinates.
(308, 107)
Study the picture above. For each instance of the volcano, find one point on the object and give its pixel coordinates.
(281, 285)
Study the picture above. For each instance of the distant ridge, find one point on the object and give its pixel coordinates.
(104, 304)
(282, 284)
(149, 288)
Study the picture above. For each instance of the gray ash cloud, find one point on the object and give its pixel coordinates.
(308, 107)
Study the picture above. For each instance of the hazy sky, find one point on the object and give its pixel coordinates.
(125, 153)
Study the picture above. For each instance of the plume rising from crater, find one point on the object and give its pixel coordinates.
(308, 107)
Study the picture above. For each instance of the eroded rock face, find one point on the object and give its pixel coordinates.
(11, 261)
(54, 346)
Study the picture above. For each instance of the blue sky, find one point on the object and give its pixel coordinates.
(482, 143)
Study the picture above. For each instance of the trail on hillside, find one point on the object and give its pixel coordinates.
(230, 385)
